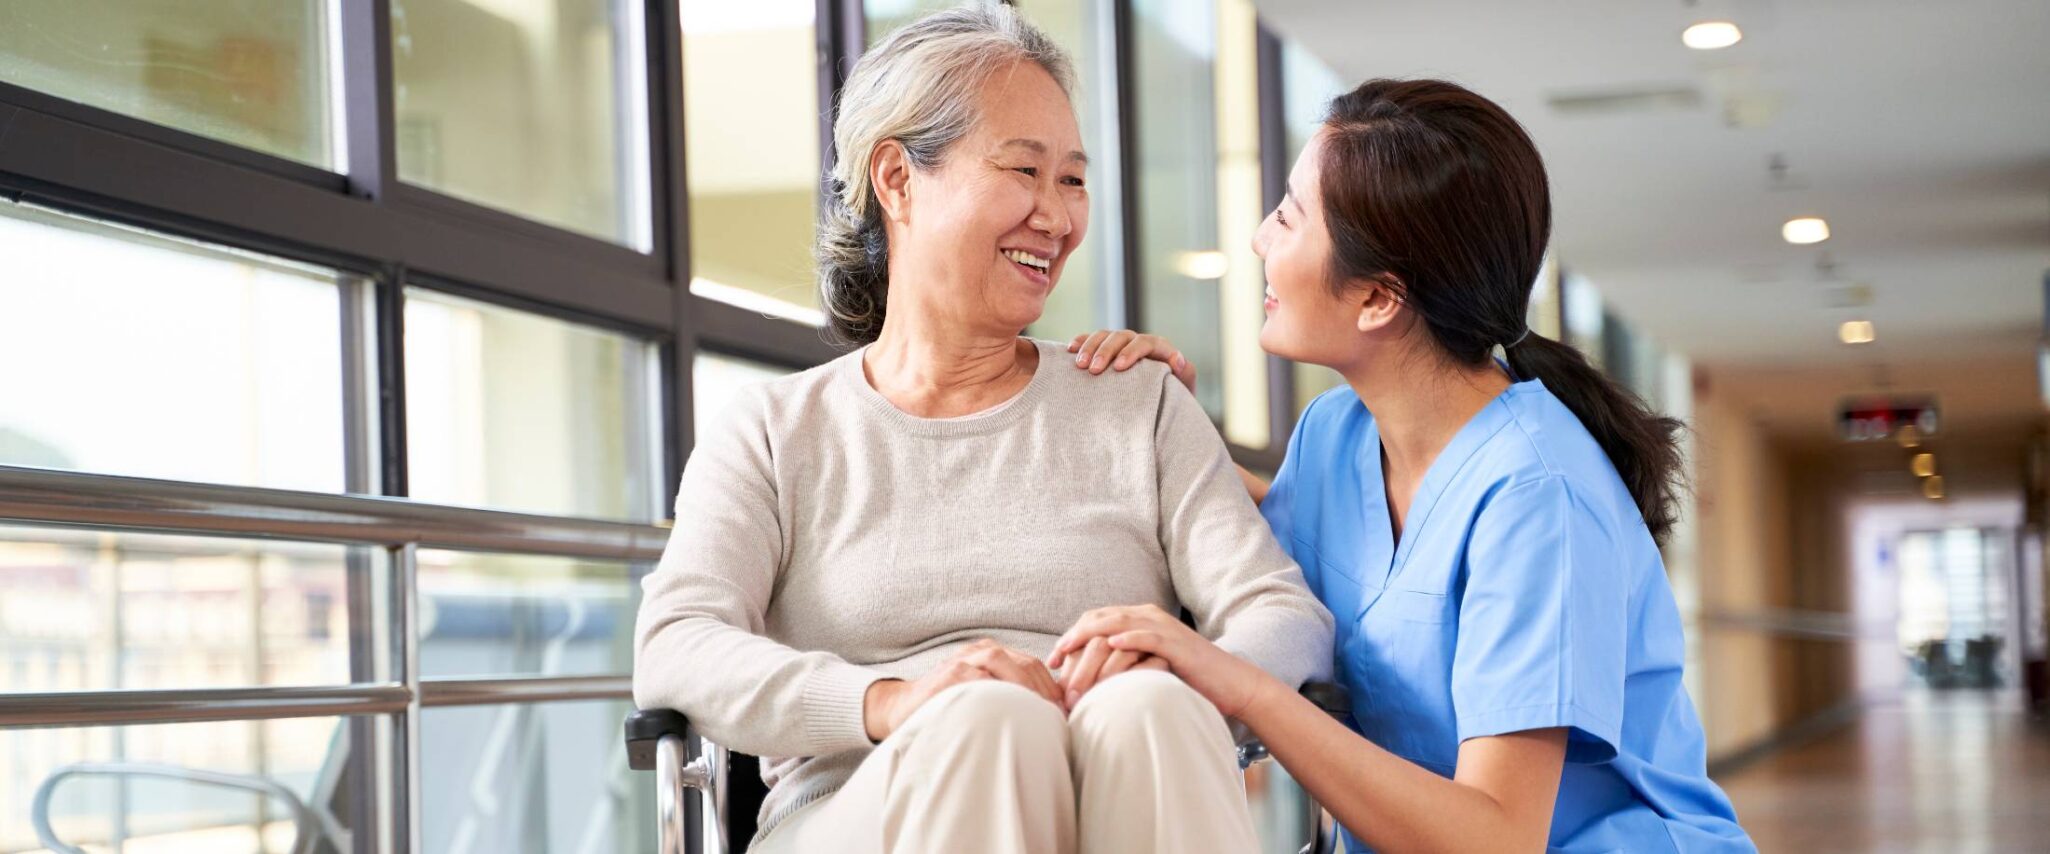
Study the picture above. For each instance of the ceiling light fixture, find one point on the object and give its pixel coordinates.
(1805, 230)
(1923, 464)
(1711, 35)
(1856, 332)
(1932, 486)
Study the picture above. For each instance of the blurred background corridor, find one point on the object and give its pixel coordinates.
(350, 351)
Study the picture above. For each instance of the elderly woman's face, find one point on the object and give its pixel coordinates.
(1003, 212)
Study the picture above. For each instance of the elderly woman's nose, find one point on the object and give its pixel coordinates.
(1050, 215)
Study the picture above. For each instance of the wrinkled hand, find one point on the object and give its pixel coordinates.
(890, 702)
(1094, 662)
(1121, 349)
(1230, 683)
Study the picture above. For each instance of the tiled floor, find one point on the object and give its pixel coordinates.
(1955, 773)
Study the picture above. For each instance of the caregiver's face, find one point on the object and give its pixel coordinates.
(1007, 206)
(1305, 320)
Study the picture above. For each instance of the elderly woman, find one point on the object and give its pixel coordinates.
(872, 557)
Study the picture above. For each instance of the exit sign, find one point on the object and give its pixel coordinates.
(1869, 419)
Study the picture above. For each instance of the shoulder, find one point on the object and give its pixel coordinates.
(1136, 392)
(1544, 454)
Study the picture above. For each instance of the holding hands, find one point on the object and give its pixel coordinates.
(1230, 683)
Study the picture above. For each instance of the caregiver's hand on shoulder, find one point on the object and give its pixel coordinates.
(1230, 683)
(1122, 348)
(890, 702)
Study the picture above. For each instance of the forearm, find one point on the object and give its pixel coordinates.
(1393, 804)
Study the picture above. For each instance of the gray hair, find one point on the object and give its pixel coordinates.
(918, 87)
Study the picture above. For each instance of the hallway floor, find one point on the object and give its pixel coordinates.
(1952, 772)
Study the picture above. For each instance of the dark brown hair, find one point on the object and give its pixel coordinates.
(1438, 193)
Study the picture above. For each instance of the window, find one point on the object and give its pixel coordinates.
(885, 16)
(753, 153)
(1083, 300)
(1200, 198)
(248, 72)
(133, 786)
(1307, 87)
(536, 108)
(544, 777)
(101, 611)
(504, 615)
(165, 358)
(517, 411)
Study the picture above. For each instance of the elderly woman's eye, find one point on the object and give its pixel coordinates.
(1028, 171)
(1072, 181)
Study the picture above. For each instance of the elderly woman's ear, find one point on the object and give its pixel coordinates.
(890, 173)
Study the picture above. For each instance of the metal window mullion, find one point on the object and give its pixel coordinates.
(1131, 307)
(1274, 168)
(368, 130)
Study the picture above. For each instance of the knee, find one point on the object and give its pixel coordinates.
(991, 710)
(1142, 701)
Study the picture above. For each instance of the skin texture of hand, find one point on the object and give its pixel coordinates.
(1499, 799)
(889, 702)
(1122, 348)
(1095, 662)
(1230, 683)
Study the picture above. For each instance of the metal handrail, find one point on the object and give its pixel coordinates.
(543, 689)
(43, 496)
(92, 708)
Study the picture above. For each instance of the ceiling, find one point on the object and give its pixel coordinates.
(1920, 130)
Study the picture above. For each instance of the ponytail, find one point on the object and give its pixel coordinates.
(1641, 443)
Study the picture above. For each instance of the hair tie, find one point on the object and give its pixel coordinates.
(1519, 339)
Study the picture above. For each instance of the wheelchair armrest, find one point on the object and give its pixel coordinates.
(645, 728)
(1329, 696)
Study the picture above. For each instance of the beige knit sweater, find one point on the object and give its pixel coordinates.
(825, 539)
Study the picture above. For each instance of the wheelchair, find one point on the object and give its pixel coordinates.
(721, 819)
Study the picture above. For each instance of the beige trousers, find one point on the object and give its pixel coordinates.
(1144, 764)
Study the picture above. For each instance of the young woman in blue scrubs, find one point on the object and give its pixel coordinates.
(1486, 533)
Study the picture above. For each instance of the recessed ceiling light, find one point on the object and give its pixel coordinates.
(1805, 230)
(1856, 332)
(1932, 486)
(1711, 35)
(1923, 465)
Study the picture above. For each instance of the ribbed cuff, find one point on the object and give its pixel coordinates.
(832, 703)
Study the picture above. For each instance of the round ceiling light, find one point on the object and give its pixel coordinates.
(1805, 230)
(1711, 35)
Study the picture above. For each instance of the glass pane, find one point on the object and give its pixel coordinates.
(1082, 300)
(547, 777)
(505, 615)
(132, 788)
(164, 358)
(1241, 204)
(885, 16)
(100, 611)
(753, 152)
(715, 377)
(533, 107)
(1174, 54)
(1307, 87)
(517, 411)
(248, 72)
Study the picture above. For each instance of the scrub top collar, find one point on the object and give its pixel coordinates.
(1443, 470)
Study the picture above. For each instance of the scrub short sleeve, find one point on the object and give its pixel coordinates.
(1543, 622)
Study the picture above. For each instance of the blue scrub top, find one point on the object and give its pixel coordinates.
(1526, 593)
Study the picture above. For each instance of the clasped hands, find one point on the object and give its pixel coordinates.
(1104, 643)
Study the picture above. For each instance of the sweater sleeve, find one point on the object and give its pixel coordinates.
(1244, 591)
(698, 644)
